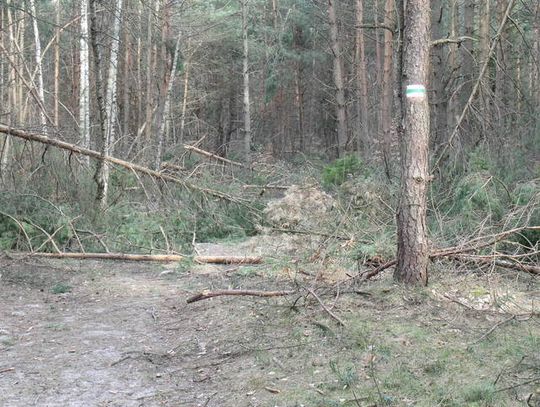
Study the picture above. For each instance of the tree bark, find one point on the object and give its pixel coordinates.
(386, 96)
(187, 67)
(109, 107)
(39, 65)
(84, 79)
(56, 63)
(362, 127)
(438, 70)
(245, 74)
(413, 249)
(341, 113)
(167, 104)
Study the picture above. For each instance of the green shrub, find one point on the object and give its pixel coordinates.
(528, 195)
(338, 172)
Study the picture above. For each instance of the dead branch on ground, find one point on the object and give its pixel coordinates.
(250, 293)
(493, 260)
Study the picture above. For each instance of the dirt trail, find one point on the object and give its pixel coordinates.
(121, 334)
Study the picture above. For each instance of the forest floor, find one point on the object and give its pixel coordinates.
(88, 333)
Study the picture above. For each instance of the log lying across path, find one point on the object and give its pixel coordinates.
(149, 257)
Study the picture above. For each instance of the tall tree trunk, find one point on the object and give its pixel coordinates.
(109, 108)
(362, 126)
(413, 250)
(467, 58)
(11, 92)
(535, 67)
(126, 103)
(167, 104)
(453, 66)
(341, 112)
(56, 62)
(387, 87)
(84, 85)
(149, 94)
(39, 66)
(102, 111)
(245, 74)
(187, 67)
(501, 87)
(483, 54)
(438, 70)
(111, 105)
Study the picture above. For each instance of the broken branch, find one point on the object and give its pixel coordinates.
(213, 156)
(250, 293)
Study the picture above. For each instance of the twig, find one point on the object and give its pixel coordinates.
(537, 379)
(7, 369)
(338, 319)
(249, 293)
(493, 328)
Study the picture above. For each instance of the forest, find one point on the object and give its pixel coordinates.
(199, 197)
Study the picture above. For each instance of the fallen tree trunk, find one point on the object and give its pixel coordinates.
(40, 138)
(250, 293)
(149, 257)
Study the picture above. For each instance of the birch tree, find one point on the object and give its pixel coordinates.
(84, 76)
(110, 107)
(39, 66)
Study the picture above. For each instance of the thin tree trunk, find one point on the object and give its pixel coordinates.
(149, 96)
(166, 107)
(11, 93)
(501, 87)
(379, 68)
(484, 45)
(139, 93)
(56, 63)
(413, 250)
(467, 60)
(535, 68)
(126, 103)
(245, 74)
(362, 127)
(111, 108)
(386, 97)
(187, 67)
(84, 85)
(341, 113)
(451, 110)
(438, 65)
(39, 67)
(20, 17)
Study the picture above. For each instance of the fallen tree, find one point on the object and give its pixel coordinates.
(148, 257)
(43, 139)
(456, 253)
